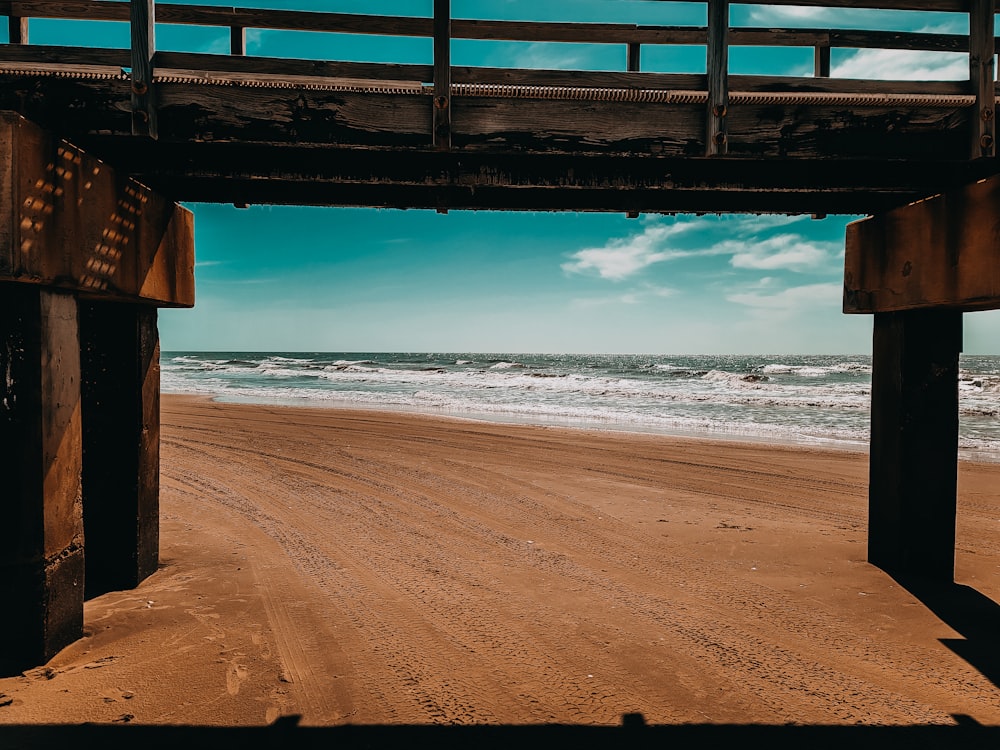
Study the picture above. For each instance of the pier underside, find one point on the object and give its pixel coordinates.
(86, 257)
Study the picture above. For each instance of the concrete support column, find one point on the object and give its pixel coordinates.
(914, 443)
(120, 360)
(41, 529)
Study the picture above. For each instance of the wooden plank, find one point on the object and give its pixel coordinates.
(898, 40)
(277, 67)
(67, 58)
(982, 76)
(77, 225)
(288, 20)
(940, 252)
(442, 75)
(914, 443)
(41, 538)
(581, 33)
(143, 21)
(313, 21)
(716, 131)
(595, 33)
(90, 10)
(120, 372)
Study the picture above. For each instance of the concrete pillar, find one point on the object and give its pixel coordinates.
(41, 529)
(914, 443)
(120, 360)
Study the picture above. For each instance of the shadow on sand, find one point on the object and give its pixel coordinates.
(633, 733)
(975, 616)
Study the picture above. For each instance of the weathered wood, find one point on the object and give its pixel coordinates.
(442, 108)
(525, 180)
(717, 134)
(594, 33)
(76, 225)
(940, 252)
(68, 59)
(821, 63)
(120, 384)
(237, 40)
(982, 76)
(898, 40)
(634, 61)
(143, 22)
(17, 30)
(191, 63)
(914, 443)
(41, 537)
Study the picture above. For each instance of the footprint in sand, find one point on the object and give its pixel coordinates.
(236, 673)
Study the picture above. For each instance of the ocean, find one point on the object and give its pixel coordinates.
(807, 400)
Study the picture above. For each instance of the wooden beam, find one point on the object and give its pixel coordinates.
(717, 135)
(120, 384)
(982, 76)
(914, 443)
(72, 223)
(143, 25)
(939, 252)
(442, 110)
(41, 537)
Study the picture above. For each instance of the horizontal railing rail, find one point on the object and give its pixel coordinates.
(485, 30)
(444, 80)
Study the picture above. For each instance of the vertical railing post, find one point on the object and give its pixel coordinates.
(982, 76)
(143, 19)
(717, 136)
(634, 57)
(237, 40)
(822, 61)
(17, 28)
(442, 74)
(821, 69)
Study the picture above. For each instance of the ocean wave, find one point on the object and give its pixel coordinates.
(739, 379)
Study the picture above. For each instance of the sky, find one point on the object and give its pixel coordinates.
(274, 278)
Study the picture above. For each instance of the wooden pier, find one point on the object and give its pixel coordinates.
(98, 145)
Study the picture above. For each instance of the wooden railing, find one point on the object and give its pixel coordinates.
(440, 78)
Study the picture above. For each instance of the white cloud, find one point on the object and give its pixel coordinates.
(793, 298)
(904, 65)
(794, 13)
(784, 251)
(621, 258)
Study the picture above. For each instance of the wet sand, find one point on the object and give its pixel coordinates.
(382, 568)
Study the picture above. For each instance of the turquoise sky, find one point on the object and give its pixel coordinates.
(309, 279)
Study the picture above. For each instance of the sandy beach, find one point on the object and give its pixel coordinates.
(353, 567)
